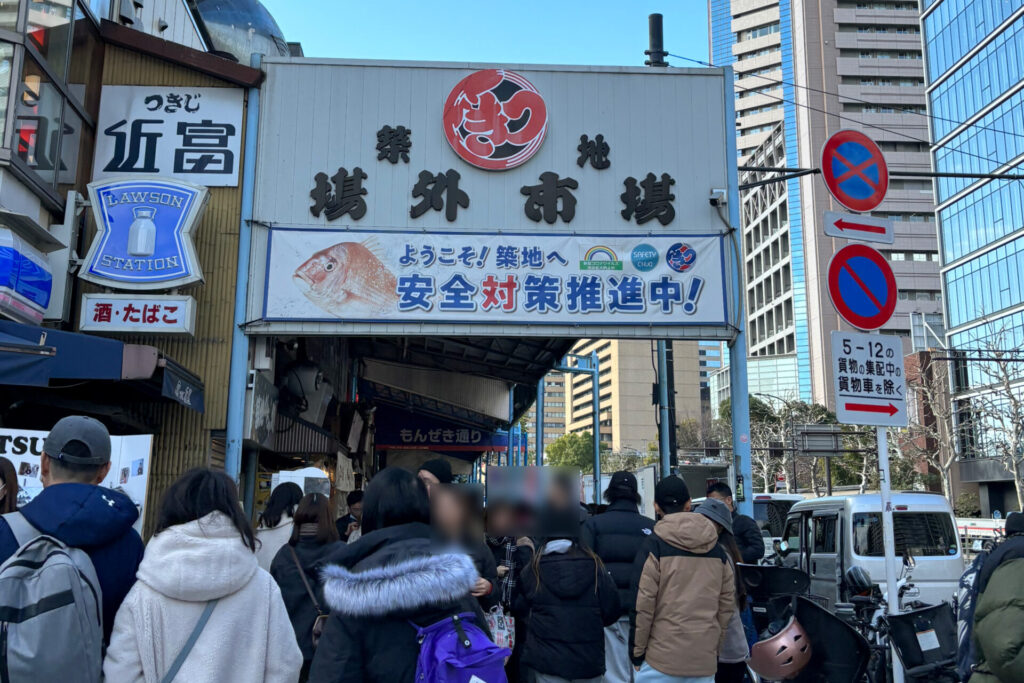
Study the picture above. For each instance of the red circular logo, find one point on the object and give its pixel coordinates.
(495, 119)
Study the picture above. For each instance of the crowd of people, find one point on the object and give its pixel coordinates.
(306, 597)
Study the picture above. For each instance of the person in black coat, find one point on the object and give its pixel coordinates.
(454, 518)
(747, 533)
(567, 597)
(616, 536)
(395, 576)
(314, 536)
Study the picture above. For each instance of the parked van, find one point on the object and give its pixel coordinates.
(826, 536)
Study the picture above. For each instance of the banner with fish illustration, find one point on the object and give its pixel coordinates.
(392, 276)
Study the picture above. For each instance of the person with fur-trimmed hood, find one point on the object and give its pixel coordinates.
(395, 576)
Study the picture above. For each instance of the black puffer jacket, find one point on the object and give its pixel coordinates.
(296, 598)
(566, 614)
(616, 535)
(375, 587)
(748, 538)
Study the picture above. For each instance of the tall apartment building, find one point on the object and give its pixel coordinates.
(554, 411)
(627, 374)
(975, 58)
(804, 71)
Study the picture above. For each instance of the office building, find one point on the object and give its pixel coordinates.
(627, 377)
(554, 411)
(804, 71)
(975, 58)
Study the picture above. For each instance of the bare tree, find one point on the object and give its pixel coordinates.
(930, 437)
(999, 408)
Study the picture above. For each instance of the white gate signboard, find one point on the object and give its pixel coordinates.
(431, 198)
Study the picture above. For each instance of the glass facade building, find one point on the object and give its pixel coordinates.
(975, 71)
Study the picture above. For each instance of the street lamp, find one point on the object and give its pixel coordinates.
(792, 432)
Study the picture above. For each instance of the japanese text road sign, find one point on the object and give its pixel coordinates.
(869, 381)
(854, 227)
(854, 170)
(862, 286)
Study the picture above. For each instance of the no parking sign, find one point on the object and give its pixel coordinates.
(854, 170)
(862, 286)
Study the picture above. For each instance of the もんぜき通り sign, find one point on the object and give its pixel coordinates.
(499, 198)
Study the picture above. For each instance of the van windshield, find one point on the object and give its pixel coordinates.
(924, 534)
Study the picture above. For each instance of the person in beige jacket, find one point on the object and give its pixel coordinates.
(685, 594)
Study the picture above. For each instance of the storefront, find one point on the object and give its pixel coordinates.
(120, 188)
(433, 239)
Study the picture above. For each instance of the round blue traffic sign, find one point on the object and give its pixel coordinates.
(862, 286)
(854, 170)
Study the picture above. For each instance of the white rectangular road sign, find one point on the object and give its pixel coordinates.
(870, 383)
(852, 226)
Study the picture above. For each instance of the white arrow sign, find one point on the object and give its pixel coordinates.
(854, 226)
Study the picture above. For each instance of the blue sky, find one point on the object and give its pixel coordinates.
(602, 32)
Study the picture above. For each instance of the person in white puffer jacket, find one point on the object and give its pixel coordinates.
(203, 554)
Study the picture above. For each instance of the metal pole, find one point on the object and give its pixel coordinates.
(792, 445)
(828, 476)
(249, 488)
(538, 454)
(595, 388)
(670, 379)
(663, 427)
(888, 539)
(238, 367)
(511, 424)
(656, 52)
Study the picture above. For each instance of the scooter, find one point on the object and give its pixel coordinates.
(839, 652)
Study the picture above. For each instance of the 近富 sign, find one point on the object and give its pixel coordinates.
(870, 384)
(536, 279)
(193, 134)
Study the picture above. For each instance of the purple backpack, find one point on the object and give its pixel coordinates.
(456, 650)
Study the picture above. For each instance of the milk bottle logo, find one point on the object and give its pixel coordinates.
(143, 239)
(142, 233)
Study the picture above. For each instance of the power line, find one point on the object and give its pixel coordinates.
(846, 118)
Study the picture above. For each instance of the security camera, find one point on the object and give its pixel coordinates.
(717, 198)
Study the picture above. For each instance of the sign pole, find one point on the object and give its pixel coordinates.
(888, 539)
(663, 422)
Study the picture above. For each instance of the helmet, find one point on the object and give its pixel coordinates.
(782, 656)
(858, 580)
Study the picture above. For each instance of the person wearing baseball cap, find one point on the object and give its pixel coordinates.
(75, 509)
(616, 536)
(681, 576)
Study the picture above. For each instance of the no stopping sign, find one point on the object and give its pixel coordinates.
(862, 286)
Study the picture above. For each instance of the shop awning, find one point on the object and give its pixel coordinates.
(24, 363)
(80, 357)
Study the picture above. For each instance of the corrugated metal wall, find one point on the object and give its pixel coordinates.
(184, 438)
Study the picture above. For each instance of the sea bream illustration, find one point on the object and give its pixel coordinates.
(347, 277)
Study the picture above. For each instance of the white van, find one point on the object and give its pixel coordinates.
(827, 536)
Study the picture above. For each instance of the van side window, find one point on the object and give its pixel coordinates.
(792, 533)
(824, 535)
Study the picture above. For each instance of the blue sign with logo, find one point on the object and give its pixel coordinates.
(681, 257)
(143, 238)
(644, 258)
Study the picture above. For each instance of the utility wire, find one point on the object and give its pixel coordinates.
(846, 118)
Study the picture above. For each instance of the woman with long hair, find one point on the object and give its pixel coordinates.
(198, 590)
(567, 598)
(393, 579)
(314, 535)
(276, 522)
(9, 488)
(732, 658)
